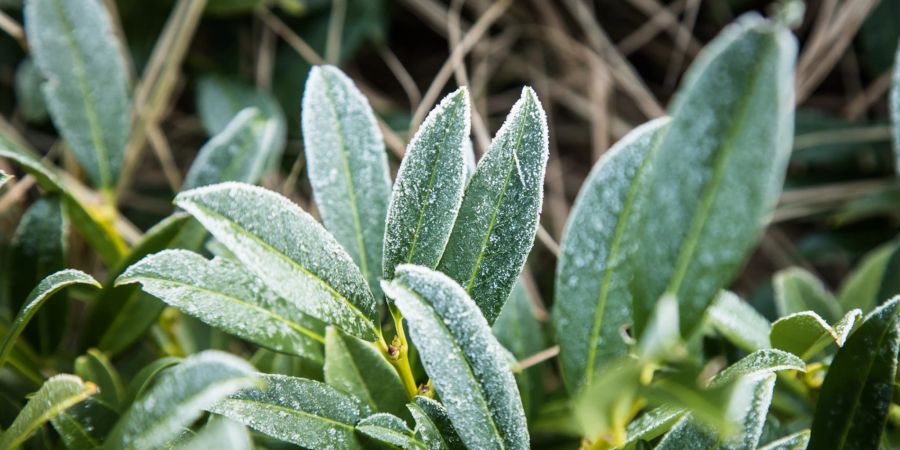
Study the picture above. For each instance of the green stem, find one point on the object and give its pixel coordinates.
(398, 354)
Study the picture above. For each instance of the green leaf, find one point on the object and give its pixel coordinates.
(652, 424)
(28, 92)
(796, 441)
(498, 218)
(760, 362)
(304, 412)
(219, 99)
(122, 314)
(144, 379)
(237, 153)
(55, 396)
(87, 89)
(83, 426)
(593, 302)
(93, 226)
(96, 367)
(434, 425)
(4, 177)
(38, 248)
(871, 282)
(895, 109)
(178, 398)
(797, 290)
(288, 251)
(220, 433)
(687, 434)
(467, 365)
(391, 430)
(429, 187)
(359, 369)
(518, 330)
(739, 322)
(855, 396)
(40, 294)
(348, 167)
(597, 409)
(715, 174)
(223, 295)
(806, 333)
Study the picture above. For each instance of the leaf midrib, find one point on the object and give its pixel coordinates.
(392, 432)
(274, 251)
(270, 405)
(90, 113)
(278, 317)
(57, 408)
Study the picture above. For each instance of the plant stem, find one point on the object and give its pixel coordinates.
(398, 353)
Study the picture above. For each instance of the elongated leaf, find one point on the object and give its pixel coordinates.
(760, 362)
(23, 358)
(180, 396)
(38, 248)
(83, 426)
(652, 424)
(219, 99)
(94, 227)
(739, 322)
(347, 166)
(87, 89)
(717, 171)
(806, 333)
(145, 378)
(429, 187)
(358, 368)
(518, 330)
(687, 434)
(222, 294)
(797, 290)
(28, 92)
(288, 250)
(854, 400)
(593, 302)
(122, 314)
(871, 282)
(40, 294)
(895, 109)
(237, 153)
(498, 218)
(390, 429)
(304, 412)
(749, 406)
(433, 421)
(796, 441)
(221, 434)
(55, 396)
(467, 365)
(96, 368)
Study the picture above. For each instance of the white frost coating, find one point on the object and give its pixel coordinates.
(390, 429)
(498, 218)
(688, 434)
(652, 423)
(348, 167)
(429, 188)
(286, 248)
(304, 412)
(225, 295)
(739, 322)
(178, 398)
(760, 362)
(796, 441)
(465, 362)
(748, 407)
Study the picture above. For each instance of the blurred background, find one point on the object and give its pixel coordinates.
(599, 67)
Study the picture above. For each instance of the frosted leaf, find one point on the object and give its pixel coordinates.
(716, 173)
(468, 367)
(796, 441)
(797, 290)
(56, 395)
(652, 424)
(759, 362)
(221, 434)
(431, 415)
(688, 434)
(304, 412)
(469, 159)
(593, 302)
(237, 153)
(222, 294)
(359, 369)
(40, 294)
(288, 250)
(83, 426)
(856, 394)
(348, 167)
(29, 97)
(498, 218)
(87, 89)
(806, 333)
(178, 398)
(391, 430)
(739, 322)
(429, 187)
